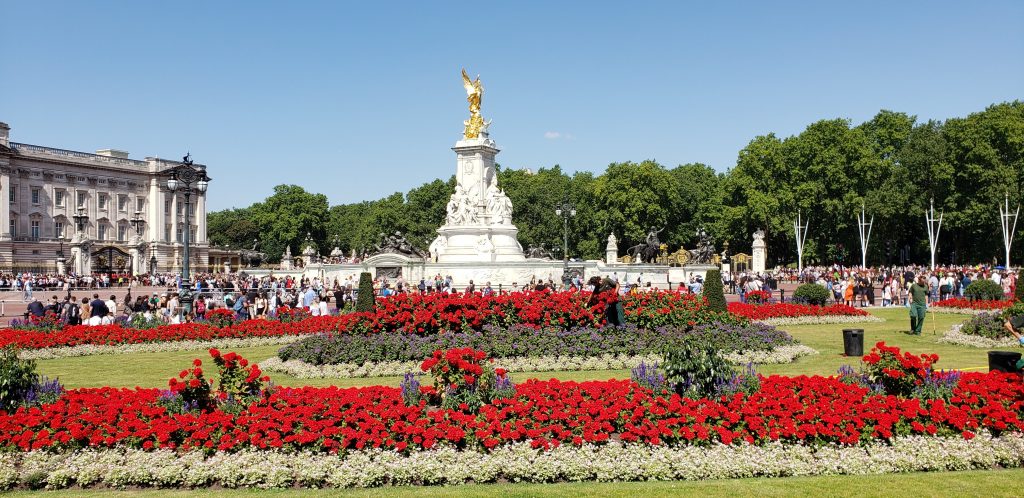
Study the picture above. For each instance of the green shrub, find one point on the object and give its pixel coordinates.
(713, 291)
(984, 290)
(1018, 290)
(17, 377)
(696, 370)
(811, 294)
(988, 325)
(365, 300)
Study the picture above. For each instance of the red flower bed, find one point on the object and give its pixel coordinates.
(789, 310)
(959, 302)
(407, 313)
(545, 413)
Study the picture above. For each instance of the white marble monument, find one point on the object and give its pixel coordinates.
(759, 250)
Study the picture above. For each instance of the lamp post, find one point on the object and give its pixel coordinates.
(565, 210)
(136, 223)
(80, 220)
(187, 178)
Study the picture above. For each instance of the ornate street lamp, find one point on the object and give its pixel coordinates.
(80, 220)
(137, 223)
(188, 179)
(565, 210)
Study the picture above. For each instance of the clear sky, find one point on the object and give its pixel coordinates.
(358, 100)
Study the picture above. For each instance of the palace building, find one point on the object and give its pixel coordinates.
(131, 222)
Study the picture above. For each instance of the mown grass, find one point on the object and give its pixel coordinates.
(990, 483)
(153, 369)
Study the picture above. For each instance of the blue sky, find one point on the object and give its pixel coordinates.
(360, 100)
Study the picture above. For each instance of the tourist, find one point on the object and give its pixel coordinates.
(919, 299)
(36, 308)
(200, 307)
(72, 312)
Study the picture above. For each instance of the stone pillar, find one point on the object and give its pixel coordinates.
(174, 217)
(200, 219)
(611, 251)
(5, 205)
(80, 246)
(759, 256)
(61, 266)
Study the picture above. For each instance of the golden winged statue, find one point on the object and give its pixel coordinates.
(474, 94)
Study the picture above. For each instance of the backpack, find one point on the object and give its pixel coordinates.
(74, 311)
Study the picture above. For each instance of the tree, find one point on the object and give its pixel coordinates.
(365, 300)
(632, 198)
(714, 293)
(287, 216)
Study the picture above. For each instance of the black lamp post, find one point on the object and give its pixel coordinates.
(81, 219)
(188, 179)
(137, 223)
(565, 210)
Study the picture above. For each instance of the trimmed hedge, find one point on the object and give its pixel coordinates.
(365, 300)
(985, 290)
(713, 291)
(811, 294)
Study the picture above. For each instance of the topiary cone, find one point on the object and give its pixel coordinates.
(714, 294)
(365, 300)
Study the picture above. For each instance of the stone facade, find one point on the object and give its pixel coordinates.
(43, 188)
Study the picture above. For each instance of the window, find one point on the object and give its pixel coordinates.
(180, 228)
(14, 193)
(58, 198)
(140, 203)
(122, 203)
(14, 228)
(192, 210)
(34, 230)
(167, 232)
(192, 234)
(180, 208)
(58, 229)
(167, 207)
(80, 202)
(35, 196)
(102, 201)
(101, 232)
(122, 232)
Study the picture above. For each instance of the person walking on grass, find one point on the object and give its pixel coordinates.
(919, 298)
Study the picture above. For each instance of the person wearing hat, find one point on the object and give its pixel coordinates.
(919, 299)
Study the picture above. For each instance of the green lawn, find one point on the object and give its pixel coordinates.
(153, 369)
(992, 483)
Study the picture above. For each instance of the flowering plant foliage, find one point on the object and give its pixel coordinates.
(786, 310)
(985, 324)
(544, 414)
(239, 383)
(220, 318)
(463, 379)
(286, 314)
(973, 304)
(898, 372)
(49, 322)
(758, 297)
(406, 313)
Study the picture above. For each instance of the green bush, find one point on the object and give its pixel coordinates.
(365, 300)
(696, 370)
(1018, 290)
(17, 377)
(713, 291)
(988, 325)
(984, 290)
(811, 294)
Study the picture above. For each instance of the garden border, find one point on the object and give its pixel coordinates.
(120, 468)
(302, 370)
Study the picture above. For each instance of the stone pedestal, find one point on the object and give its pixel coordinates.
(81, 255)
(611, 251)
(61, 266)
(136, 250)
(478, 226)
(759, 253)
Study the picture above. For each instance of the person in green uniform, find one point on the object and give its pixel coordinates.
(918, 304)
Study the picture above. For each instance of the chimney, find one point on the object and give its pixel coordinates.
(112, 153)
(5, 134)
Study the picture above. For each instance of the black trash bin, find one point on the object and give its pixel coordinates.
(1003, 361)
(853, 342)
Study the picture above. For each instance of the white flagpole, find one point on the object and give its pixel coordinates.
(934, 227)
(1008, 230)
(865, 236)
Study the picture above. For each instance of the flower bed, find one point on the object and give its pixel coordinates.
(545, 414)
(773, 311)
(523, 341)
(969, 306)
(407, 313)
(519, 462)
(303, 370)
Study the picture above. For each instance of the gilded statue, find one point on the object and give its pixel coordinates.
(475, 125)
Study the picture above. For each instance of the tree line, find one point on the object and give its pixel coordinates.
(893, 165)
